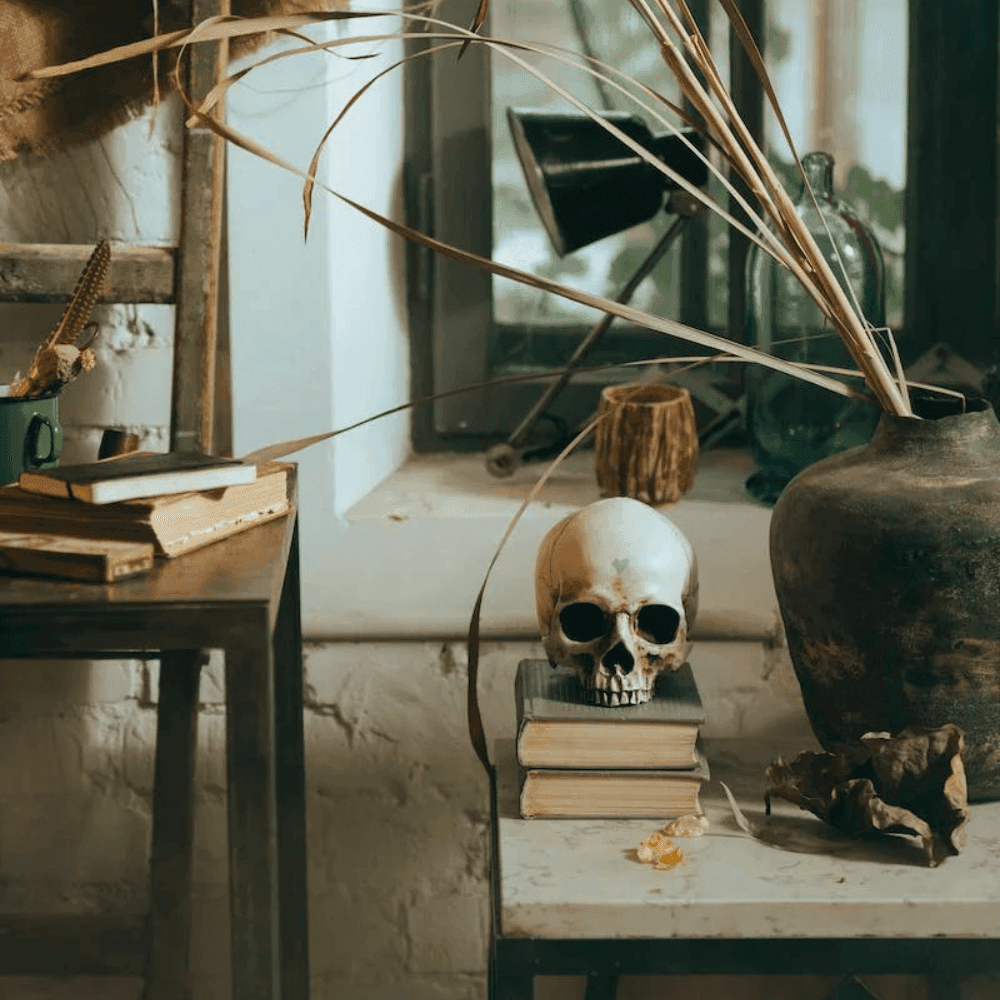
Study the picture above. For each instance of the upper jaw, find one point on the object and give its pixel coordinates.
(605, 696)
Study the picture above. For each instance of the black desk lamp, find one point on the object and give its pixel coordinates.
(586, 184)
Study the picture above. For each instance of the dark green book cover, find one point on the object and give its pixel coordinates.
(557, 725)
(555, 693)
(138, 464)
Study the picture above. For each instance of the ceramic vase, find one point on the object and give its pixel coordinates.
(886, 563)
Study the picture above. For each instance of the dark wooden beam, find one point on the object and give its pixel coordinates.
(44, 272)
(694, 243)
(199, 259)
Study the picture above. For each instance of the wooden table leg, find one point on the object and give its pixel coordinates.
(291, 787)
(168, 960)
(253, 870)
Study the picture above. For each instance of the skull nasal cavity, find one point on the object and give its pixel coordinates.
(583, 621)
(658, 623)
(618, 656)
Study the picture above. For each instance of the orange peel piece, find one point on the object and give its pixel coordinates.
(660, 851)
(670, 858)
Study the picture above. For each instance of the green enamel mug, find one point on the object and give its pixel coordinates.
(30, 435)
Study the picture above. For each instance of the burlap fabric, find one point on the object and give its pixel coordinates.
(39, 117)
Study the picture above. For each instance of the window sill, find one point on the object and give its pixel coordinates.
(410, 557)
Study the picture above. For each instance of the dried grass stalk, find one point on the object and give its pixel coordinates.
(647, 442)
(689, 59)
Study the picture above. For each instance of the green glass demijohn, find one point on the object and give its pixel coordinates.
(790, 423)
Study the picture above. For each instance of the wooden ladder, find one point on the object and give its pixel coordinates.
(187, 276)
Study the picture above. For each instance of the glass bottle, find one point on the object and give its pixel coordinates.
(790, 423)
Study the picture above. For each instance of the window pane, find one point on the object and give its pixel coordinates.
(840, 70)
(615, 34)
(839, 67)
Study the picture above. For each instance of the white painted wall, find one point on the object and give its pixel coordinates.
(319, 330)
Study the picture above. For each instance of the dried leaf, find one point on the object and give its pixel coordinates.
(730, 133)
(913, 783)
(477, 734)
(477, 22)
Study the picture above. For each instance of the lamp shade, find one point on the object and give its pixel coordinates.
(585, 183)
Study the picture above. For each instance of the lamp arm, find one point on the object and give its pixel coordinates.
(502, 460)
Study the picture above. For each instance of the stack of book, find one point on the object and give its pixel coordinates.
(580, 760)
(106, 520)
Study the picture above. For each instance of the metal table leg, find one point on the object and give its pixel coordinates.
(514, 985)
(601, 987)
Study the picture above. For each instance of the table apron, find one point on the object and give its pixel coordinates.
(62, 631)
(751, 956)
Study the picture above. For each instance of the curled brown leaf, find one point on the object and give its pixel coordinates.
(913, 783)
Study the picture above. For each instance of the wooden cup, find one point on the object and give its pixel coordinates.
(647, 442)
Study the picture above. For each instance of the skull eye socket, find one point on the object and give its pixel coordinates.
(658, 623)
(583, 621)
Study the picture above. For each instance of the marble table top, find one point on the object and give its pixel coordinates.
(799, 878)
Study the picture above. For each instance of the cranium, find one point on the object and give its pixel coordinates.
(616, 591)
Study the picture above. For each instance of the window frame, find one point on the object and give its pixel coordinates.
(951, 194)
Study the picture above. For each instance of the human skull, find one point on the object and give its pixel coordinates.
(616, 592)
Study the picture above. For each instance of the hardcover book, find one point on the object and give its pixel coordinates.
(91, 560)
(174, 524)
(138, 474)
(558, 793)
(558, 727)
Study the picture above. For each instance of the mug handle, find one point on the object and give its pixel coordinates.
(35, 433)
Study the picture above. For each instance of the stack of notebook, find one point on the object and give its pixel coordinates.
(106, 520)
(581, 760)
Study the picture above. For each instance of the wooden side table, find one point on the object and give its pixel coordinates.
(569, 900)
(240, 595)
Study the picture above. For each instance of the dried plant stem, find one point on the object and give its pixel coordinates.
(803, 273)
(753, 166)
(454, 38)
(777, 229)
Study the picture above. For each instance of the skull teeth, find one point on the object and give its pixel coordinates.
(633, 697)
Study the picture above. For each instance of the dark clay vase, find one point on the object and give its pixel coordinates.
(886, 563)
